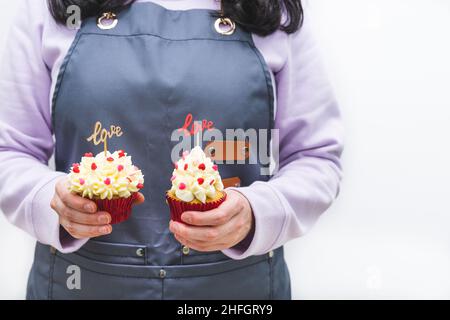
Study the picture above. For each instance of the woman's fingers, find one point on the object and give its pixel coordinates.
(78, 215)
(200, 245)
(139, 199)
(216, 229)
(215, 217)
(95, 219)
(74, 201)
(193, 232)
(80, 231)
(208, 234)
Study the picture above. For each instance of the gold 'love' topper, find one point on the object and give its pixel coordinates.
(101, 135)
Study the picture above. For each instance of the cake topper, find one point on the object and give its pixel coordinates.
(101, 135)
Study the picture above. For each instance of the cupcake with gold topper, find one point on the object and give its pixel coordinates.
(110, 180)
(196, 185)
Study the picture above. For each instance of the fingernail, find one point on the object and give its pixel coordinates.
(103, 219)
(89, 208)
(104, 230)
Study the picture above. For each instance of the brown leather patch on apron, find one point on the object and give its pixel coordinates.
(231, 182)
(228, 150)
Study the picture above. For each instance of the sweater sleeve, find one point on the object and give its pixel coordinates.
(27, 184)
(310, 145)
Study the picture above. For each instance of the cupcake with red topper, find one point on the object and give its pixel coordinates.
(196, 185)
(110, 180)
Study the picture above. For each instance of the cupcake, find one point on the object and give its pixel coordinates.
(110, 180)
(196, 185)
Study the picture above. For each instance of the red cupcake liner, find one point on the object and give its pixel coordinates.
(119, 209)
(177, 207)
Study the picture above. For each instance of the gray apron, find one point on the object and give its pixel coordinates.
(146, 75)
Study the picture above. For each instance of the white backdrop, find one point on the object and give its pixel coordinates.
(388, 235)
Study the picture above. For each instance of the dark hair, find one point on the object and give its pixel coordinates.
(261, 17)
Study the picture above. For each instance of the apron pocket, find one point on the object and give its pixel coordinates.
(198, 257)
(75, 279)
(117, 253)
(243, 283)
(74, 276)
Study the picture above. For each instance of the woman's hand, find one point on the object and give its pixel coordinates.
(78, 215)
(217, 229)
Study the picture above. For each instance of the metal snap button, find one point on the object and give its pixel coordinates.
(185, 250)
(162, 273)
(270, 254)
(212, 151)
(107, 16)
(225, 26)
(140, 252)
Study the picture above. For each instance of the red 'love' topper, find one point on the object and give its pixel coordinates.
(192, 127)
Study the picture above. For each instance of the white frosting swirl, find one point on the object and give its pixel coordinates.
(196, 177)
(105, 176)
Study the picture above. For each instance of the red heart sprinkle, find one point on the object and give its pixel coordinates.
(93, 166)
(120, 167)
(121, 153)
(110, 159)
(107, 181)
(140, 186)
(202, 166)
(88, 155)
(82, 181)
(186, 166)
(215, 167)
(76, 169)
(182, 186)
(200, 181)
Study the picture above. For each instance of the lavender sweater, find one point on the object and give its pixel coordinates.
(307, 117)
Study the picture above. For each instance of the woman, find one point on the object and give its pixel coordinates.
(146, 66)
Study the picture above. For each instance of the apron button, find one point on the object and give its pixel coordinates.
(162, 273)
(112, 17)
(185, 250)
(140, 252)
(212, 151)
